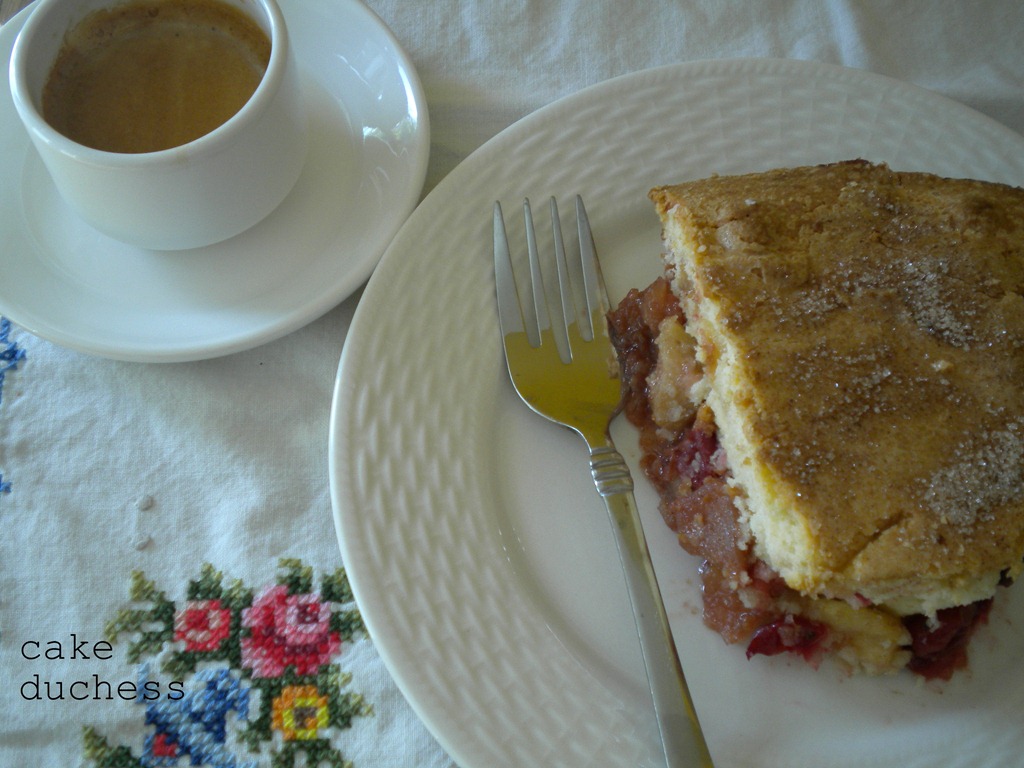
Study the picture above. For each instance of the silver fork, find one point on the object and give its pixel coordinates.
(563, 365)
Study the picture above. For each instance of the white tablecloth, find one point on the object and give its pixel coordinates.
(181, 512)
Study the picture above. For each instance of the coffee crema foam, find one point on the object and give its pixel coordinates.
(150, 74)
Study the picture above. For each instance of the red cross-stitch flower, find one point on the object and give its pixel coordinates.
(287, 630)
(202, 624)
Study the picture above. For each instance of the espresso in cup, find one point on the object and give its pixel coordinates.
(149, 75)
(218, 184)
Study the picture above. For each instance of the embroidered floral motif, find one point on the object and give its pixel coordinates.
(203, 625)
(287, 630)
(227, 671)
(10, 355)
(300, 712)
(196, 724)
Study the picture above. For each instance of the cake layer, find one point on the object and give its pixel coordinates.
(861, 333)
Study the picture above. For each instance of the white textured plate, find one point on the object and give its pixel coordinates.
(479, 552)
(369, 144)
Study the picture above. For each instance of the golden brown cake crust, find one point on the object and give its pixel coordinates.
(877, 324)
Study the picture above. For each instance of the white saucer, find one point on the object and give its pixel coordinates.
(65, 282)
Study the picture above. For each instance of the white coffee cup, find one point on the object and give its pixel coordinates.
(187, 196)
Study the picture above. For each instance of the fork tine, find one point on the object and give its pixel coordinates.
(535, 312)
(510, 314)
(576, 279)
(568, 306)
(593, 280)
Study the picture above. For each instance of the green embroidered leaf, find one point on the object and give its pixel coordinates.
(347, 707)
(208, 586)
(347, 624)
(96, 749)
(180, 664)
(142, 589)
(237, 597)
(126, 620)
(253, 736)
(159, 619)
(342, 706)
(163, 612)
(321, 753)
(149, 644)
(151, 641)
(336, 588)
(317, 753)
(331, 678)
(297, 577)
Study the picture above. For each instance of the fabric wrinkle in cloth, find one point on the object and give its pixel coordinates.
(485, 66)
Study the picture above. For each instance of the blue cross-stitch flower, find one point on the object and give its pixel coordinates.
(195, 724)
(10, 355)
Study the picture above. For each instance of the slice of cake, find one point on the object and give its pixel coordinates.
(829, 383)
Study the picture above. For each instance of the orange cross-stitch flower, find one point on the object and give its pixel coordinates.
(299, 712)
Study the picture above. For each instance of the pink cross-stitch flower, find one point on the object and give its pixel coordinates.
(202, 624)
(287, 630)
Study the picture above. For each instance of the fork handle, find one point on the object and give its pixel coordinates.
(680, 731)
